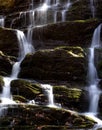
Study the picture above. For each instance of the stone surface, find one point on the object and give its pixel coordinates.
(74, 33)
(8, 42)
(60, 64)
(39, 117)
(5, 65)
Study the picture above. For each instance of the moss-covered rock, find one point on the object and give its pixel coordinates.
(55, 64)
(44, 117)
(24, 91)
(72, 98)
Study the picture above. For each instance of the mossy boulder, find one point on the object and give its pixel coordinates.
(9, 42)
(70, 33)
(5, 64)
(44, 117)
(72, 98)
(60, 64)
(24, 91)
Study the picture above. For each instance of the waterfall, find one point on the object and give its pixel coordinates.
(92, 5)
(2, 21)
(49, 91)
(94, 92)
(67, 6)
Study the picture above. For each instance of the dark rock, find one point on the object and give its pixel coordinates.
(9, 42)
(74, 33)
(61, 64)
(24, 91)
(1, 83)
(5, 65)
(72, 98)
(37, 116)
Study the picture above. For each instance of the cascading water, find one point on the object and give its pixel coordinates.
(2, 21)
(94, 91)
(25, 48)
(67, 6)
(49, 91)
(92, 5)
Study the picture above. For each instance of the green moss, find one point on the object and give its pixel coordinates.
(6, 3)
(73, 93)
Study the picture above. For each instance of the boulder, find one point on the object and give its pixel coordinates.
(24, 91)
(74, 33)
(44, 118)
(5, 64)
(9, 42)
(59, 64)
(71, 98)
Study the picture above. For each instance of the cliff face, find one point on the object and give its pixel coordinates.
(60, 58)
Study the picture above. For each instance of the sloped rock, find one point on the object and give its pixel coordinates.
(37, 116)
(55, 64)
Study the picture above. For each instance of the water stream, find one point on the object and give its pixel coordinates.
(2, 21)
(92, 5)
(93, 80)
(38, 16)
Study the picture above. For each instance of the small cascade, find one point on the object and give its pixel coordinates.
(94, 91)
(92, 5)
(67, 6)
(93, 80)
(2, 21)
(25, 48)
(49, 91)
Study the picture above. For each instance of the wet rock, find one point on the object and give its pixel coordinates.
(8, 42)
(72, 98)
(24, 91)
(1, 83)
(74, 33)
(44, 117)
(60, 64)
(5, 64)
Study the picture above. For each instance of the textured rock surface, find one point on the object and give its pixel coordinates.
(9, 42)
(74, 33)
(5, 65)
(37, 116)
(55, 64)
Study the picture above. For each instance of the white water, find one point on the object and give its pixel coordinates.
(92, 5)
(94, 91)
(24, 48)
(2, 21)
(67, 6)
(49, 91)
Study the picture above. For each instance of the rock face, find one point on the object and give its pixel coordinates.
(8, 42)
(74, 33)
(43, 117)
(5, 65)
(70, 98)
(56, 64)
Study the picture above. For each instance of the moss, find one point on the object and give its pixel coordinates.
(19, 98)
(73, 93)
(7, 3)
(25, 89)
